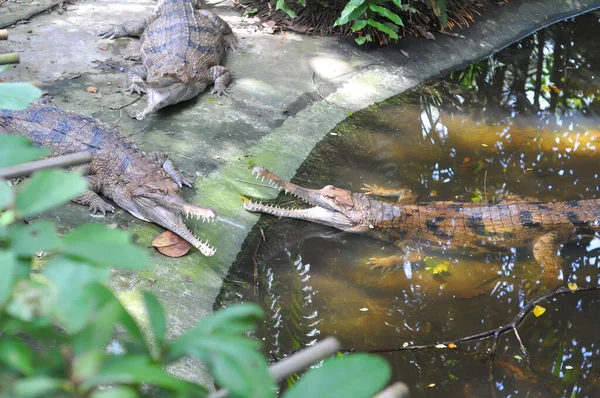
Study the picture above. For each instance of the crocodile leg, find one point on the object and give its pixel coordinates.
(221, 77)
(162, 160)
(546, 250)
(224, 28)
(137, 75)
(129, 28)
(407, 252)
(95, 202)
(90, 197)
(404, 195)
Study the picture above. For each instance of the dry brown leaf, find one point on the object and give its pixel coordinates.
(92, 89)
(171, 244)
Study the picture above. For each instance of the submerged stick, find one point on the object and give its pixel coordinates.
(496, 333)
(25, 169)
(9, 58)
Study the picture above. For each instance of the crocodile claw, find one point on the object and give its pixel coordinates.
(220, 91)
(101, 208)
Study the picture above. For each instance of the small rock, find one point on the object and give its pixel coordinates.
(92, 89)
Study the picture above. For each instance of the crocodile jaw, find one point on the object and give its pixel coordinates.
(314, 214)
(332, 206)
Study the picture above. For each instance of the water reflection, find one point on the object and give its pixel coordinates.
(514, 124)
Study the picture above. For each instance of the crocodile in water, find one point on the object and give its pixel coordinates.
(468, 226)
(146, 185)
(181, 48)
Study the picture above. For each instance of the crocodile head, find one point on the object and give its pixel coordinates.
(158, 201)
(332, 206)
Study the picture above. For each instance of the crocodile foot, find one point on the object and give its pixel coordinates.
(103, 207)
(386, 263)
(220, 91)
(113, 33)
(231, 42)
(135, 87)
(404, 195)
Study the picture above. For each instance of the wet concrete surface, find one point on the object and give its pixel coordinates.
(288, 91)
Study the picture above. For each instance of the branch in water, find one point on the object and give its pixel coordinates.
(496, 333)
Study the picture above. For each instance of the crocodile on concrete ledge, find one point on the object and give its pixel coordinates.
(467, 226)
(181, 48)
(146, 185)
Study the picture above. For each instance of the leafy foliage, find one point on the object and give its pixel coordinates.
(381, 18)
(18, 96)
(58, 319)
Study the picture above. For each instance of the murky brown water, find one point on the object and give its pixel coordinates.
(515, 123)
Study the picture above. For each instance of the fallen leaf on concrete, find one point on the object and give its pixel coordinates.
(104, 48)
(92, 89)
(171, 244)
(405, 53)
(136, 57)
(215, 157)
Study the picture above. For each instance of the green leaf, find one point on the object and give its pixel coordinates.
(356, 375)
(17, 355)
(40, 386)
(352, 10)
(383, 28)
(47, 189)
(73, 307)
(7, 217)
(6, 194)
(302, 2)
(116, 392)
(103, 295)
(235, 320)
(384, 12)
(8, 270)
(4, 67)
(220, 342)
(103, 246)
(95, 336)
(281, 5)
(130, 369)
(158, 320)
(88, 363)
(31, 299)
(361, 40)
(30, 239)
(18, 96)
(15, 149)
(234, 361)
(359, 25)
(439, 8)
(398, 4)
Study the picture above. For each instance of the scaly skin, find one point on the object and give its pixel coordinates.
(468, 226)
(146, 185)
(181, 47)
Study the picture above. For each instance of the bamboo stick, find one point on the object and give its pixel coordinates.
(25, 169)
(9, 58)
